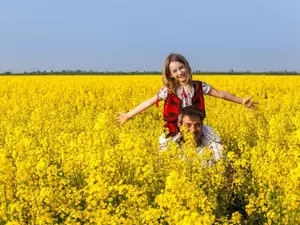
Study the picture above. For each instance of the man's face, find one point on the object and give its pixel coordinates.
(193, 125)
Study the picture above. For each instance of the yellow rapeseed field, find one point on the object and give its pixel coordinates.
(65, 161)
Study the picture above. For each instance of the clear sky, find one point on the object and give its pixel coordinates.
(214, 35)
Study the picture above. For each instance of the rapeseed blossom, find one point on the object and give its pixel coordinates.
(64, 160)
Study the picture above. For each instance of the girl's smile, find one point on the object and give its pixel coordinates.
(179, 72)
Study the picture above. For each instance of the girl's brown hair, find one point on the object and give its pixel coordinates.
(170, 82)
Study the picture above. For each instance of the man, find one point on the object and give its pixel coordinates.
(192, 119)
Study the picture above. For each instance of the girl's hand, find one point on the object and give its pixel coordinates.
(122, 118)
(249, 104)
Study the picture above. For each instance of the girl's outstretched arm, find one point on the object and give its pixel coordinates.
(230, 97)
(140, 108)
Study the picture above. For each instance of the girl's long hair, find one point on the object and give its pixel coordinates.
(170, 82)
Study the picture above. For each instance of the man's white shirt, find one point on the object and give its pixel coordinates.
(209, 139)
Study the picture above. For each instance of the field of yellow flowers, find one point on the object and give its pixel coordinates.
(64, 160)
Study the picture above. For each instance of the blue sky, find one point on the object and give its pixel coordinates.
(215, 35)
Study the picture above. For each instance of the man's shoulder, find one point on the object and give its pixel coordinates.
(210, 134)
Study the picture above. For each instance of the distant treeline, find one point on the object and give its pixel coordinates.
(91, 72)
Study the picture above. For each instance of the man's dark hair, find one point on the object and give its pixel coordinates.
(190, 111)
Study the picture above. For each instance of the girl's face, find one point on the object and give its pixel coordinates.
(179, 72)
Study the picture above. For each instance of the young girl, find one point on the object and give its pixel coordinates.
(180, 90)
